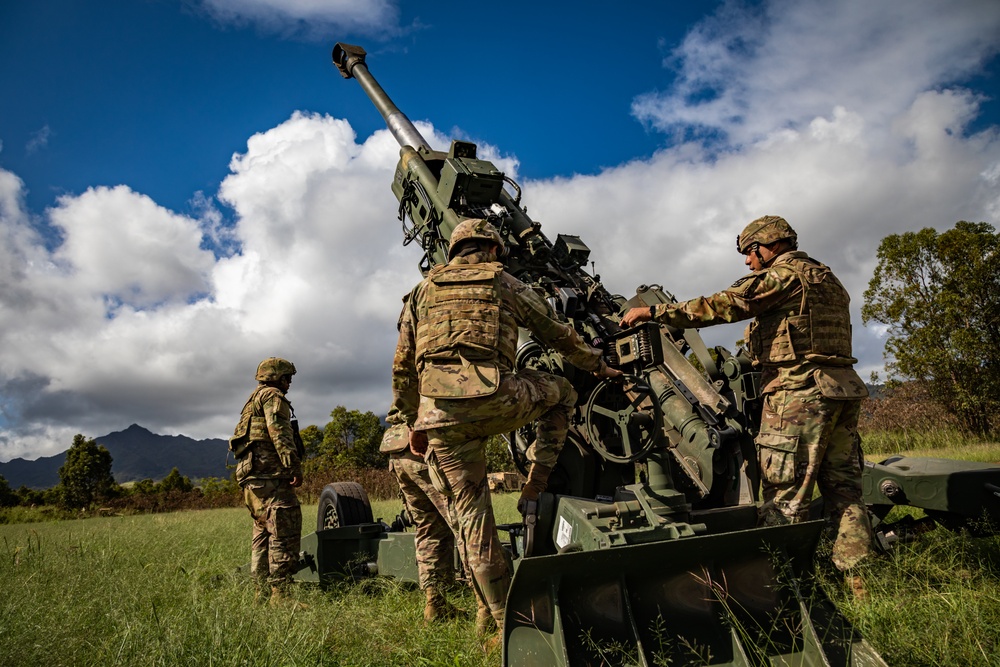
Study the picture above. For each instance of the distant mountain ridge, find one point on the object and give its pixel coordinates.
(136, 454)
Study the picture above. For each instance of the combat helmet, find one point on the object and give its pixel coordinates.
(474, 228)
(272, 368)
(765, 231)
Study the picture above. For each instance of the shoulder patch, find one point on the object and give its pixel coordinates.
(745, 284)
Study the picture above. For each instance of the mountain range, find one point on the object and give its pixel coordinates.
(136, 454)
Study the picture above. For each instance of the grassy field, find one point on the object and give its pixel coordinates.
(162, 590)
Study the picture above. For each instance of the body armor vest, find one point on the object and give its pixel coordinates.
(461, 320)
(252, 427)
(814, 327)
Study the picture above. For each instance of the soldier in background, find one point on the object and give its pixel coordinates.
(454, 385)
(428, 509)
(269, 467)
(801, 342)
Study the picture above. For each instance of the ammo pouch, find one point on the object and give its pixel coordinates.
(438, 479)
(240, 443)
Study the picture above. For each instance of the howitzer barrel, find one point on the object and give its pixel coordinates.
(350, 60)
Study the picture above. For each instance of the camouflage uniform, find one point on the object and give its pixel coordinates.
(428, 508)
(453, 378)
(801, 341)
(265, 471)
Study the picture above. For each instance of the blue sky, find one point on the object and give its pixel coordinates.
(188, 187)
(158, 95)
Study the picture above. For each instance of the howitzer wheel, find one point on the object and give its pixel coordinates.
(612, 416)
(343, 504)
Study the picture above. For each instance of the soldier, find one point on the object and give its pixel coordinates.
(269, 467)
(428, 509)
(454, 384)
(801, 341)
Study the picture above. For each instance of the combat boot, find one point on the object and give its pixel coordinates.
(857, 586)
(438, 608)
(280, 598)
(485, 623)
(491, 643)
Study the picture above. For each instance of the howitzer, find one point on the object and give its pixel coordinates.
(684, 425)
(647, 537)
(641, 526)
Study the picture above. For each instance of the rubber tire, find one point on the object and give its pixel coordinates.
(343, 504)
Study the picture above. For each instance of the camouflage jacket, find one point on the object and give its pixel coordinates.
(272, 453)
(771, 295)
(526, 309)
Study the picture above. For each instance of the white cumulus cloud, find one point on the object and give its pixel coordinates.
(850, 119)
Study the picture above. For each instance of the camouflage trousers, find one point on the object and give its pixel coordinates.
(428, 508)
(277, 529)
(808, 441)
(459, 456)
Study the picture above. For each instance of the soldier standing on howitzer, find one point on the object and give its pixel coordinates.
(428, 510)
(454, 385)
(801, 341)
(269, 454)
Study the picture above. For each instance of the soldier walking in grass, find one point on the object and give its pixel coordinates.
(801, 342)
(269, 467)
(454, 385)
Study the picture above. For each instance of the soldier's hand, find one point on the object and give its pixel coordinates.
(296, 481)
(635, 316)
(605, 372)
(418, 442)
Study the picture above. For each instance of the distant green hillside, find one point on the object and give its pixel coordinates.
(137, 454)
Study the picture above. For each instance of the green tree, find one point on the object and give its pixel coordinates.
(29, 497)
(939, 295)
(143, 487)
(498, 455)
(86, 475)
(175, 482)
(312, 439)
(8, 498)
(353, 437)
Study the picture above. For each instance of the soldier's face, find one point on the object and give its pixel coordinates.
(285, 382)
(758, 257)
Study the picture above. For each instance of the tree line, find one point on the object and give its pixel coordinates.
(346, 447)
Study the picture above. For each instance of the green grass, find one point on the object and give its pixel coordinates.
(934, 601)
(163, 590)
(945, 443)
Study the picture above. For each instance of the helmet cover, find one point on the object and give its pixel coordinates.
(272, 368)
(475, 228)
(765, 231)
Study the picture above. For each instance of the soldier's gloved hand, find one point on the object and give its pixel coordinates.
(605, 372)
(296, 481)
(538, 478)
(418, 442)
